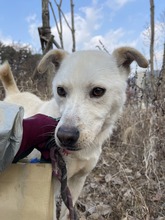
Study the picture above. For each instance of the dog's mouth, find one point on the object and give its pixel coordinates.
(69, 149)
(64, 149)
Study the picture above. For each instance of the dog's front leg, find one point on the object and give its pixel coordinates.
(78, 170)
(75, 185)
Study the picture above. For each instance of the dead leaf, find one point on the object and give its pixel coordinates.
(108, 177)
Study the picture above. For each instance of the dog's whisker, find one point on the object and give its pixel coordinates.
(48, 134)
(53, 126)
(51, 143)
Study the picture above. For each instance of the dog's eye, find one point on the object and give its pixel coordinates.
(97, 92)
(61, 91)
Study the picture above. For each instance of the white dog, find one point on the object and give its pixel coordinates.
(88, 95)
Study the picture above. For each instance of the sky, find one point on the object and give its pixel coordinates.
(113, 22)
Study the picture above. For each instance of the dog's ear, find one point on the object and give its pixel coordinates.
(126, 55)
(51, 59)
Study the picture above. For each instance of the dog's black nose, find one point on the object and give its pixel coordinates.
(68, 136)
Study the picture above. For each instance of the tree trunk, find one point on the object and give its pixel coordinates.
(163, 64)
(72, 25)
(45, 32)
(152, 22)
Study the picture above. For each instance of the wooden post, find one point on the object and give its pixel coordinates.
(45, 32)
(47, 40)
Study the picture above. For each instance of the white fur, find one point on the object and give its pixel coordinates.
(78, 74)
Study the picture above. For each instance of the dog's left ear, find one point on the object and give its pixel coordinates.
(52, 59)
(126, 55)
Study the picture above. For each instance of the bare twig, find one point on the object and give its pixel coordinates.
(73, 28)
(55, 19)
(62, 17)
(60, 30)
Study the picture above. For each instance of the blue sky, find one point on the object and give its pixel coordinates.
(114, 22)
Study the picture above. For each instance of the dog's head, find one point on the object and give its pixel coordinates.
(89, 88)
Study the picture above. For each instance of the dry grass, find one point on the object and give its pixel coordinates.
(129, 180)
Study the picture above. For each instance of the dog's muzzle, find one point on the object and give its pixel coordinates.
(68, 137)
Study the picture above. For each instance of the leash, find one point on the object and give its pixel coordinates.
(59, 170)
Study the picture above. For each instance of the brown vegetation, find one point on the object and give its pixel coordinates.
(129, 180)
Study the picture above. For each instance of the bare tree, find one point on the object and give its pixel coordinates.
(72, 26)
(46, 38)
(162, 22)
(163, 64)
(152, 24)
(58, 26)
(45, 31)
(59, 21)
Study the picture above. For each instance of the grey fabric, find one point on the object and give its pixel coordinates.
(11, 117)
